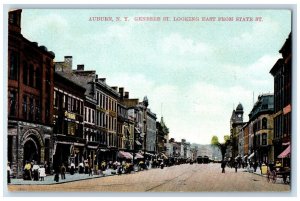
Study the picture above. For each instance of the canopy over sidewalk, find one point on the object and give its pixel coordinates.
(285, 153)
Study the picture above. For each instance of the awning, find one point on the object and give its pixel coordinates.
(103, 150)
(251, 155)
(164, 156)
(285, 153)
(245, 156)
(237, 157)
(137, 155)
(136, 130)
(123, 154)
(138, 142)
(92, 147)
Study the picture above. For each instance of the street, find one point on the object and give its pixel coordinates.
(180, 178)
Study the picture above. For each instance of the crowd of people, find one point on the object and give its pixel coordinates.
(36, 172)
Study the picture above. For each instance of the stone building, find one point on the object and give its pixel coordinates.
(125, 125)
(151, 136)
(30, 98)
(162, 135)
(236, 124)
(282, 73)
(246, 141)
(262, 129)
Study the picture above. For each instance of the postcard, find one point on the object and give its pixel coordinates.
(191, 100)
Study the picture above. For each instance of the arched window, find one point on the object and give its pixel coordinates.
(264, 123)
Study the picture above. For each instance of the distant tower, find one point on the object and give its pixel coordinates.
(239, 111)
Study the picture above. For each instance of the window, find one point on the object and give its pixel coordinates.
(31, 75)
(12, 102)
(37, 110)
(31, 108)
(38, 83)
(13, 68)
(71, 128)
(264, 139)
(55, 99)
(264, 123)
(258, 140)
(25, 73)
(25, 107)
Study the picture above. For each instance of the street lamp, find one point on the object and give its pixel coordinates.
(145, 104)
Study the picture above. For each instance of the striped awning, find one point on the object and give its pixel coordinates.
(123, 154)
(285, 153)
(137, 155)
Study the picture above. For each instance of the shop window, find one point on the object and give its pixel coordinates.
(71, 128)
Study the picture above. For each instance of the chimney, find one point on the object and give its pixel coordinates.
(80, 67)
(103, 80)
(115, 88)
(68, 64)
(126, 95)
(121, 92)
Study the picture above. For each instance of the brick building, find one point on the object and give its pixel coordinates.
(30, 98)
(282, 73)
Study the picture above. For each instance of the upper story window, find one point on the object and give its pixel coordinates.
(264, 139)
(12, 103)
(264, 123)
(25, 73)
(14, 66)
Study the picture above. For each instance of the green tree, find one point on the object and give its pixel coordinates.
(222, 146)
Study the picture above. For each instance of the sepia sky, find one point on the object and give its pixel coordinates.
(193, 72)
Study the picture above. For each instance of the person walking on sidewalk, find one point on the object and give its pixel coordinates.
(223, 165)
(42, 173)
(63, 171)
(8, 172)
(235, 165)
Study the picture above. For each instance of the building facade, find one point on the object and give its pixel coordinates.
(262, 129)
(68, 119)
(282, 73)
(30, 98)
(236, 124)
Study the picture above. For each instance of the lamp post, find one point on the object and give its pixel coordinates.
(145, 104)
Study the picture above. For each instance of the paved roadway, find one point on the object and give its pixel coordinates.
(182, 178)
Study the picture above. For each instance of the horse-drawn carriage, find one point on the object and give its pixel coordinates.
(276, 172)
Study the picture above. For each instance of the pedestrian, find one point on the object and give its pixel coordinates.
(42, 172)
(35, 170)
(235, 166)
(72, 169)
(27, 171)
(90, 171)
(223, 165)
(56, 176)
(8, 172)
(63, 171)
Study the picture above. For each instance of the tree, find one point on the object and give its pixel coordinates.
(222, 146)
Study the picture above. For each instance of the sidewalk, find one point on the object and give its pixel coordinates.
(69, 178)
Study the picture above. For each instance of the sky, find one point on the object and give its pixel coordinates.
(194, 73)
